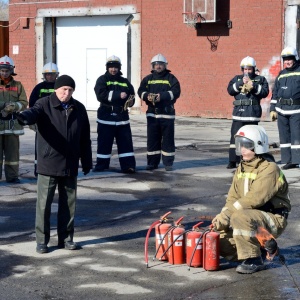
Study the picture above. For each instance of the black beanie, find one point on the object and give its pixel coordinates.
(64, 80)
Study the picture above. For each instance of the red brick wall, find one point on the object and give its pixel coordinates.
(203, 74)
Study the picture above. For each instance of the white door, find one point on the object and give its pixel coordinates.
(80, 44)
(95, 60)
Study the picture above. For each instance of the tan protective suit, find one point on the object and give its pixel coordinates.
(10, 129)
(258, 194)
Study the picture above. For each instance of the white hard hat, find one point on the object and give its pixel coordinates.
(50, 68)
(159, 58)
(248, 62)
(289, 51)
(253, 137)
(113, 60)
(6, 63)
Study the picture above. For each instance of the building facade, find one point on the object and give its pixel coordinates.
(79, 36)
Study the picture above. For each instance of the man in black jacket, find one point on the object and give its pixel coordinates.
(63, 138)
(247, 89)
(160, 90)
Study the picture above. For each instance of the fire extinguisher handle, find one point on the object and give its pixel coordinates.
(197, 225)
(178, 221)
(165, 215)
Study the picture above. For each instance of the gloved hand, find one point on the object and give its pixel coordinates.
(10, 107)
(86, 171)
(21, 118)
(273, 115)
(220, 222)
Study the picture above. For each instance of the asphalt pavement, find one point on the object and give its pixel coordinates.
(114, 213)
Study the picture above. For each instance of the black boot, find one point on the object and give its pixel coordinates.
(251, 265)
(231, 165)
(289, 166)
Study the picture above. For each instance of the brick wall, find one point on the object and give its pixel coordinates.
(257, 30)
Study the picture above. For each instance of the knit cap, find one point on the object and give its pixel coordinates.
(64, 80)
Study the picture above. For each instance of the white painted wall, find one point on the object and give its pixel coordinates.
(79, 39)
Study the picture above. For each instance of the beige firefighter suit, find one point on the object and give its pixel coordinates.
(10, 129)
(258, 197)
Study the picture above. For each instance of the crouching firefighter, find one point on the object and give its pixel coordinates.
(258, 198)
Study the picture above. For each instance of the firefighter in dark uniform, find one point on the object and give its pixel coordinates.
(12, 99)
(160, 90)
(43, 89)
(285, 105)
(247, 89)
(115, 94)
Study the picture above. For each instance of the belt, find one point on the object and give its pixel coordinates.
(246, 102)
(289, 101)
(113, 109)
(156, 110)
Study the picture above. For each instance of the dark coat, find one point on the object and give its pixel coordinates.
(63, 136)
(165, 84)
(41, 90)
(248, 113)
(108, 89)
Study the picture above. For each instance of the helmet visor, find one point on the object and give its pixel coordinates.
(240, 142)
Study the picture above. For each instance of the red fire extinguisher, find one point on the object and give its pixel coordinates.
(211, 250)
(162, 220)
(194, 243)
(176, 248)
(161, 237)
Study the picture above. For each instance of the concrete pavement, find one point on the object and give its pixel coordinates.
(114, 212)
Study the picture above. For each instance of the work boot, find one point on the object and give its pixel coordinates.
(151, 167)
(231, 165)
(69, 245)
(99, 169)
(129, 171)
(42, 248)
(14, 180)
(251, 265)
(289, 166)
(169, 168)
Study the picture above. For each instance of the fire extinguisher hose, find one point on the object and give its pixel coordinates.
(162, 240)
(147, 240)
(173, 243)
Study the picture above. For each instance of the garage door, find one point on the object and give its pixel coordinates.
(83, 44)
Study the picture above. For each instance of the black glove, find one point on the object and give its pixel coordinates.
(86, 171)
(21, 118)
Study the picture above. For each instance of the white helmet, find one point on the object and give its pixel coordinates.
(50, 68)
(113, 60)
(252, 137)
(7, 63)
(159, 58)
(289, 51)
(248, 62)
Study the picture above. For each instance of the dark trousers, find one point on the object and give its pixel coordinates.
(67, 190)
(160, 141)
(106, 135)
(289, 136)
(9, 154)
(235, 126)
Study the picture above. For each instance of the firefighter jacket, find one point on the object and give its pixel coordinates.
(165, 84)
(247, 105)
(63, 136)
(41, 90)
(12, 92)
(108, 89)
(286, 91)
(257, 184)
